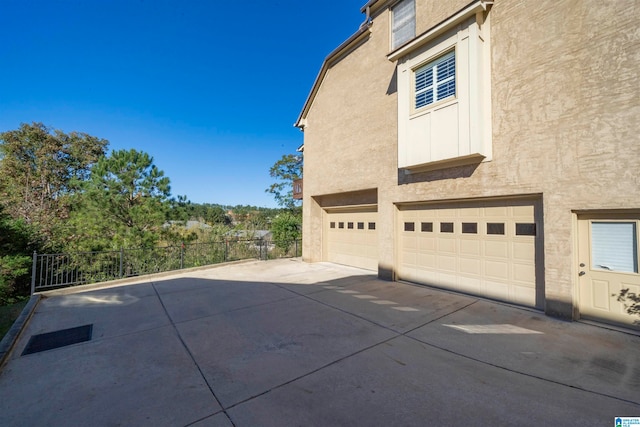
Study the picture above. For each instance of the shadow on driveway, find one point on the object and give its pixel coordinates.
(283, 343)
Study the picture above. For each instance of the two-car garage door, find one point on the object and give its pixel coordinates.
(487, 250)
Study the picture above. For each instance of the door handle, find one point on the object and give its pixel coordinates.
(582, 273)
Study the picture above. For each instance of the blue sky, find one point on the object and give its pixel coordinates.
(209, 88)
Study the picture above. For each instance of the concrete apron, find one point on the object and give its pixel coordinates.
(9, 340)
(289, 343)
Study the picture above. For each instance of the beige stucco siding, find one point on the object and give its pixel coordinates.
(431, 13)
(339, 141)
(336, 142)
(565, 87)
(565, 120)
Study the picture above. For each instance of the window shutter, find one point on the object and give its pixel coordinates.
(446, 70)
(435, 80)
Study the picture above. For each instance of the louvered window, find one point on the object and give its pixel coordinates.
(404, 22)
(614, 246)
(436, 80)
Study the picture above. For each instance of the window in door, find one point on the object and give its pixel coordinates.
(614, 246)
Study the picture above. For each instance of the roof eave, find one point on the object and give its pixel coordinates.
(357, 37)
(373, 5)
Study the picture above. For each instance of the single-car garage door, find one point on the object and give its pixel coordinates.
(351, 237)
(487, 250)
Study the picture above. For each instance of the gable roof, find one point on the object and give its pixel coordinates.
(353, 41)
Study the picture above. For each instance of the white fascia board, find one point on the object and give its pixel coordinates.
(452, 21)
(375, 5)
(369, 4)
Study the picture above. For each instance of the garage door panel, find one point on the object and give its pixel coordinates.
(447, 263)
(425, 260)
(496, 249)
(470, 213)
(409, 243)
(427, 244)
(523, 295)
(496, 212)
(472, 285)
(351, 238)
(496, 290)
(470, 247)
(484, 257)
(411, 275)
(523, 272)
(411, 260)
(522, 212)
(524, 250)
(470, 266)
(446, 214)
(447, 245)
(497, 269)
(446, 280)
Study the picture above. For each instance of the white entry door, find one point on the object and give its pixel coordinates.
(609, 280)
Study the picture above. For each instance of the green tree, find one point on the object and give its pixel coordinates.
(17, 242)
(285, 171)
(40, 169)
(125, 203)
(285, 228)
(216, 215)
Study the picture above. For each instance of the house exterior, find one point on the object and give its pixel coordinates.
(486, 147)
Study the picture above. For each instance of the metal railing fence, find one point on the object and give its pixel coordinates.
(52, 271)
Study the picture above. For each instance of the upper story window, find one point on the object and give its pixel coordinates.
(436, 80)
(444, 93)
(404, 23)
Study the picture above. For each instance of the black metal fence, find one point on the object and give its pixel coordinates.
(51, 271)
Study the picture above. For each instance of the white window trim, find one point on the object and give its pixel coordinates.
(466, 34)
(612, 242)
(469, 11)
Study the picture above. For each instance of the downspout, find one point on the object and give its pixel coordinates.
(367, 20)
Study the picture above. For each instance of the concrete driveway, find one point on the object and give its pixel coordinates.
(286, 343)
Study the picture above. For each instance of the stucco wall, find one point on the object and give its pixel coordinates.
(431, 13)
(566, 120)
(352, 119)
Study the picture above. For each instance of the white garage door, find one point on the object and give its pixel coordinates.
(484, 250)
(351, 237)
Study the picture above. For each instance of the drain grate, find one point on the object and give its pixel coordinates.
(57, 339)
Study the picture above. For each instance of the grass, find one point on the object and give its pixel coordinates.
(8, 314)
